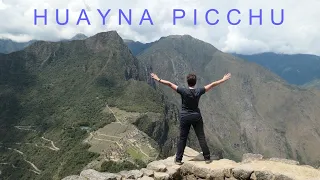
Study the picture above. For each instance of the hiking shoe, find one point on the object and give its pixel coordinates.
(208, 161)
(178, 162)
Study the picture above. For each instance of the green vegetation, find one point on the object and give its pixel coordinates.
(57, 88)
(135, 153)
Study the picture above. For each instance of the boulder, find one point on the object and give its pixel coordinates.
(241, 173)
(95, 175)
(198, 157)
(145, 178)
(174, 171)
(230, 178)
(168, 162)
(308, 166)
(249, 157)
(157, 166)
(190, 177)
(282, 177)
(286, 161)
(74, 177)
(147, 172)
(161, 176)
(264, 175)
(190, 152)
(133, 174)
(202, 171)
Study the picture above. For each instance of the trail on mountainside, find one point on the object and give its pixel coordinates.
(52, 144)
(29, 128)
(36, 169)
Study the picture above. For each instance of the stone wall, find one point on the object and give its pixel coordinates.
(252, 167)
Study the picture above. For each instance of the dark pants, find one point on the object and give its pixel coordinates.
(197, 124)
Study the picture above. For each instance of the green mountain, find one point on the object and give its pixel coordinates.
(8, 46)
(256, 111)
(71, 105)
(297, 69)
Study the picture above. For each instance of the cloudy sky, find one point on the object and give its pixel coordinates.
(299, 32)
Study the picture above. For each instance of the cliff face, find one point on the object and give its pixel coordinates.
(252, 167)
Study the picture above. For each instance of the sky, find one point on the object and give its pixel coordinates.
(298, 33)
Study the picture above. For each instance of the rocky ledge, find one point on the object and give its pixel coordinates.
(252, 167)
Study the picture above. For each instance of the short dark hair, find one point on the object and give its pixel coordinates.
(192, 79)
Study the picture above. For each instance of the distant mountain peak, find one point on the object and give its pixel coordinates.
(181, 36)
(79, 36)
(108, 34)
(8, 45)
(103, 40)
(5, 39)
(128, 41)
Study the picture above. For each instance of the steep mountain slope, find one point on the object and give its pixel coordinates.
(255, 111)
(137, 47)
(296, 69)
(56, 96)
(8, 46)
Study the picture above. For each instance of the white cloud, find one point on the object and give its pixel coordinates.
(2, 5)
(300, 32)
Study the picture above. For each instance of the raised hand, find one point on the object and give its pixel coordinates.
(226, 76)
(154, 76)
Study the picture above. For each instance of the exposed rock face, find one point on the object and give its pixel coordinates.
(253, 167)
(94, 175)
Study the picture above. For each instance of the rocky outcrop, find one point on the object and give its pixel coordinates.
(252, 167)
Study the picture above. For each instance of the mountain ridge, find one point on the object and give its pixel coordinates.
(8, 46)
(298, 69)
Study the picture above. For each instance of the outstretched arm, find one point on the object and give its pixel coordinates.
(168, 83)
(216, 83)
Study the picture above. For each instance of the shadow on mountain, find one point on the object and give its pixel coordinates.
(15, 79)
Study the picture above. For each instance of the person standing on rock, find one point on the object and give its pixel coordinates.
(190, 114)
